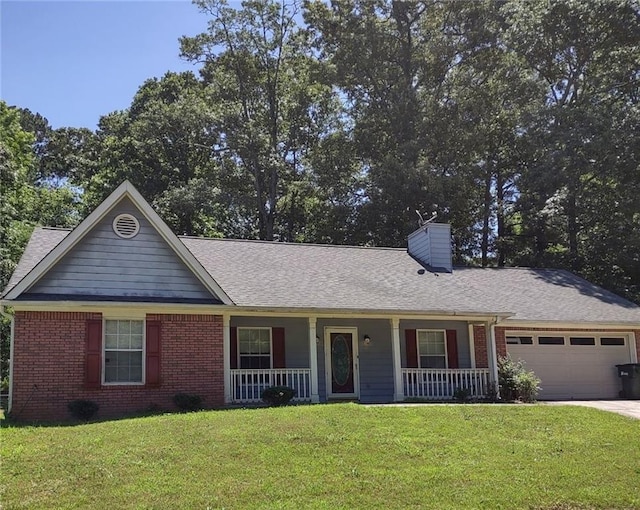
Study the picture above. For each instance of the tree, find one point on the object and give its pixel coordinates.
(586, 54)
(272, 111)
(25, 200)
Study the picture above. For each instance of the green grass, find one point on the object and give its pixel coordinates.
(330, 456)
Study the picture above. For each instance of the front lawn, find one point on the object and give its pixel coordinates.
(330, 456)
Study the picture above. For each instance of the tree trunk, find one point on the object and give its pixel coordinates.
(486, 220)
(500, 217)
(572, 230)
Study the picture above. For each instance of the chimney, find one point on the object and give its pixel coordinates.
(431, 246)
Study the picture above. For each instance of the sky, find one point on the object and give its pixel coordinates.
(75, 61)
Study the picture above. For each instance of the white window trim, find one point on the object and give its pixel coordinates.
(446, 353)
(144, 350)
(270, 346)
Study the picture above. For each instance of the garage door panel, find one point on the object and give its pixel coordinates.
(573, 371)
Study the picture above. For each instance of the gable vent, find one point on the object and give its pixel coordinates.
(126, 226)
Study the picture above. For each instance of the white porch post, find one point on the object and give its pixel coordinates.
(493, 354)
(226, 354)
(398, 391)
(313, 360)
(633, 352)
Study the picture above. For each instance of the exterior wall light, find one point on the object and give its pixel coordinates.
(366, 339)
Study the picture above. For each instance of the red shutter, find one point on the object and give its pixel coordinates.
(93, 361)
(412, 348)
(452, 348)
(152, 361)
(234, 347)
(277, 342)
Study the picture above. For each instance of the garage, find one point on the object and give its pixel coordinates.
(572, 365)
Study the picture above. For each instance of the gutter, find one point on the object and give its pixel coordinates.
(249, 310)
(12, 319)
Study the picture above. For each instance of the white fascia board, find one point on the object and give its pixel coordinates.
(126, 189)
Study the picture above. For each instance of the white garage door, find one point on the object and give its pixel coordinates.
(572, 366)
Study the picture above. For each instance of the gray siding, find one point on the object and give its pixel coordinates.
(432, 245)
(103, 264)
(419, 246)
(296, 336)
(462, 338)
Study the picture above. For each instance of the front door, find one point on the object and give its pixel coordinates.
(341, 356)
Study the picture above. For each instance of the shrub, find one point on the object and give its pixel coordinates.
(515, 381)
(491, 394)
(278, 395)
(82, 409)
(461, 394)
(186, 402)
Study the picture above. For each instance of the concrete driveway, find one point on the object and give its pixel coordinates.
(626, 407)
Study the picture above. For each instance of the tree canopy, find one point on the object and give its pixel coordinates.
(334, 122)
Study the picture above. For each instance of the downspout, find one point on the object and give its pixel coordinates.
(11, 318)
(494, 353)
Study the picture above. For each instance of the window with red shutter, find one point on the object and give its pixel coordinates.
(257, 348)
(123, 351)
(437, 348)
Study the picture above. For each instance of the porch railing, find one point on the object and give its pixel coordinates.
(441, 384)
(247, 384)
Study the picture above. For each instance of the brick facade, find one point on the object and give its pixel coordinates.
(49, 365)
(501, 341)
(480, 346)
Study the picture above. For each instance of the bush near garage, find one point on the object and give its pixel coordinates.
(516, 382)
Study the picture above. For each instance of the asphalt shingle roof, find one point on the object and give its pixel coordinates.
(304, 276)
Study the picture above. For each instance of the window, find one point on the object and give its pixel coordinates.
(523, 340)
(551, 340)
(582, 340)
(123, 351)
(254, 347)
(612, 341)
(432, 349)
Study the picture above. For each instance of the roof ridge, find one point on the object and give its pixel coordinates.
(287, 243)
(46, 227)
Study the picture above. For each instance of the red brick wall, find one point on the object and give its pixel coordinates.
(501, 341)
(480, 346)
(49, 365)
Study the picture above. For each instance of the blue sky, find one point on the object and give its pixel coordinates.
(74, 61)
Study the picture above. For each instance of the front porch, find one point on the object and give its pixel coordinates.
(247, 385)
(442, 384)
(363, 359)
